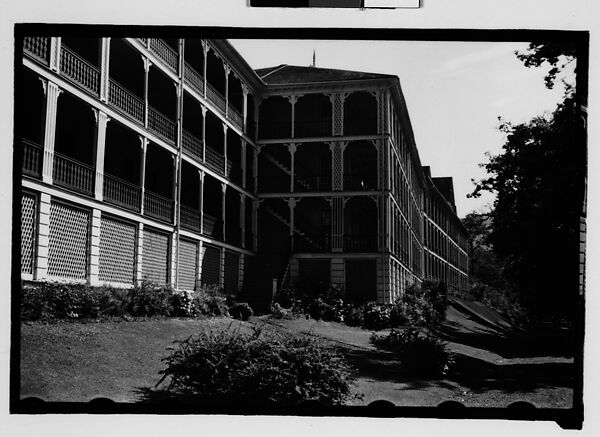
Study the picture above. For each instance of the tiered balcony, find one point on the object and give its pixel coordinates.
(79, 71)
(158, 207)
(32, 158)
(73, 174)
(360, 243)
(190, 218)
(357, 182)
(216, 98)
(126, 102)
(122, 193)
(213, 227)
(37, 48)
(193, 79)
(192, 146)
(164, 52)
(216, 161)
(235, 116)
(161, 125)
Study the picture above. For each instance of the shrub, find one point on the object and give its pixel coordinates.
(376, 316)
(182, 303)
(241, 311)
(421, 353)
(231, 366)
(50, 300)
(112, 301)
(279, 312)
(210, 301)
(353, 316)
(150, 299)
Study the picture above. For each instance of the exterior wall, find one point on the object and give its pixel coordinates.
(189, 252)
(119, 246)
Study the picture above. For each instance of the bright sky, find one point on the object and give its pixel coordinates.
(454, 91)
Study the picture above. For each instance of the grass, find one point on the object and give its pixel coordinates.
(79, 361)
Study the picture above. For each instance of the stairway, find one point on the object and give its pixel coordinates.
(318, 247)
(288, 171)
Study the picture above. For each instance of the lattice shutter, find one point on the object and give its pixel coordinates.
(337, 114)
(211, 265)
(28, 213)
(337, 166)
(232, 269)
(68, 242)
(155, 257)
(117, 251)
(188, 262)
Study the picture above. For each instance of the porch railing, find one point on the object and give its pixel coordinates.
(158, 206)
(37, 47)
(215, 97)
(164, 52)
(360, 243)
(161, 125)
(125, 101)
(79, 70)
(235, 116)
(193, 78)
(189, 218)
(359, 182)
(312, 182)
(316, 128)
(122, 193)
(32, 158)
(214, 160)
(192, 145)
(73, 174)
(213, 226)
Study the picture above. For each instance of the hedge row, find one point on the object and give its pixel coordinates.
(51, 300)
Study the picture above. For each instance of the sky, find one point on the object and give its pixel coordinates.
(454, 91)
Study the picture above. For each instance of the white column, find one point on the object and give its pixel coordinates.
(104, 69)
(52, 92)
(225, 170)
(201, 203)
(245, 92)
(55, 43)
(175, 159)
(227, 71)
(101, 121)
(255, 169)
(144, 147)
(173, 273)
(43, 237)
(205, 47)
(94, 259)
(293, 100)
(140, 255)
(203, 133)
(147, 65)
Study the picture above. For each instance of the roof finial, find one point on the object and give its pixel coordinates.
(314, 64)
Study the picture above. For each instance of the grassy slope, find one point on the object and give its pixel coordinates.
(80, 361)
(67, 361)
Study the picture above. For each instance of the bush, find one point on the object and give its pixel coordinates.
(376, 316)
(231, 366)
(353, 316)
(210, 301)
(49, 300)
(241, 311)
(279, 312)
(421, 353)
(113, 302)
(182, 303)
(150, 299)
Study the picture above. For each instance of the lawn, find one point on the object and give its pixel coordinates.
(75, 361)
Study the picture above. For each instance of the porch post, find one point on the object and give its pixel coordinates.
(101, 121)
(144, 147)
(104, 69)
(52, 92)
(223, 199)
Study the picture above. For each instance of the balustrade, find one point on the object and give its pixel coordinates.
(161, 125)
(122, 193)
(80, 71)
(360, 243)
(215, 97)
(158, 206)
(73, 174)
(32, 158)
(125, 101)
(213, 227)
(192, 145)
(164, 52)
(37, 47)
(189, 218)
(193, 78)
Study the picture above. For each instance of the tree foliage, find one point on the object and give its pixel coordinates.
(538, 179)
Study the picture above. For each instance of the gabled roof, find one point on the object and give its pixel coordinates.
(288, 74)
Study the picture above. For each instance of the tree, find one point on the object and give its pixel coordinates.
(539, 182)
